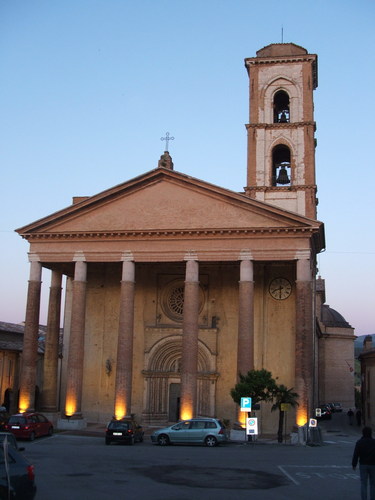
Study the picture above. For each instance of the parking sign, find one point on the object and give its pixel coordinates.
(245, 404)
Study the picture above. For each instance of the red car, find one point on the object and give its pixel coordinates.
(29, 425)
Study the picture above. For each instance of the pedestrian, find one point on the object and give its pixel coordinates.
(364, 451)
(350, 416)
(358, 416)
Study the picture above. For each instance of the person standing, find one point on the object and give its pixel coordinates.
(364, 451)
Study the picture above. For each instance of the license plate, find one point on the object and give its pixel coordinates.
(117, 433)
(15, 426)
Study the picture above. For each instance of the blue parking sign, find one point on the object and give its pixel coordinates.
(245, 404)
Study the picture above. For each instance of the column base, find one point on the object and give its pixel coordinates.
(72, 423)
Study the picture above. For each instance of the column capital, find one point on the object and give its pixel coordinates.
(79, 257)
(303, 254)
(33, 257)
(127, 256)
(245, 254)
(191, 255)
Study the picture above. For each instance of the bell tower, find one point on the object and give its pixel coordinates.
(281, 142)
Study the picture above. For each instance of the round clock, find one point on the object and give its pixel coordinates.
(280, 288)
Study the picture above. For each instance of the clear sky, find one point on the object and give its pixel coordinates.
(88, 88)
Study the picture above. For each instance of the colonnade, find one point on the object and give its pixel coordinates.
(123, 385)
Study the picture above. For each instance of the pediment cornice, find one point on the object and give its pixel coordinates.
(172, 233)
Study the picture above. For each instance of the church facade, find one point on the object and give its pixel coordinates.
(174, 286)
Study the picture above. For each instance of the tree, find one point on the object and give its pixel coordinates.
(282, 395)
(257, 384)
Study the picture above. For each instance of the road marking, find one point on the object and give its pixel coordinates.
(309, 472)
(288, 475)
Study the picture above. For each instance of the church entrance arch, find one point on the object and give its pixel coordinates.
(163, 381)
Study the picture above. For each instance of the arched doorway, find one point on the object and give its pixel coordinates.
(162, 381)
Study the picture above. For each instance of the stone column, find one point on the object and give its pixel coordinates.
(30, 339)
(245, 349)
(51, 349)
(124, 367)
(304, 367)
(189, 365)
(76, 342)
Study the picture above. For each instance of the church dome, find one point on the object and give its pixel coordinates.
(332, 318)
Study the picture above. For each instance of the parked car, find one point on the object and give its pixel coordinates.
(331, 406)
(17, 477)
(29, 425)
(337, 407)
(325, 413)
(208, 431)
(11, 441)
(125, 430)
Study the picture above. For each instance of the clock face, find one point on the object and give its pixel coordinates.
(280, 288)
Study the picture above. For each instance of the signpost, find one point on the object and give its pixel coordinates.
(246, 406)
(252, 426)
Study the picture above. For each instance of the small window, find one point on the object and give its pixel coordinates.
(197, 424)
(281, 113)
(210, 425)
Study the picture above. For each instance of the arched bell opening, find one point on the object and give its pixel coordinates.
(281, 110)
(281, 169)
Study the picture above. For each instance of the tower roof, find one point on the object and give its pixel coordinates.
(281, 49)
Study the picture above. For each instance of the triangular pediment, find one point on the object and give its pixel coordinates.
(165, 200)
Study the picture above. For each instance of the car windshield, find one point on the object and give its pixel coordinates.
(15, 420)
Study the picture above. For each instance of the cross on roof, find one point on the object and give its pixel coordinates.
(167, 139)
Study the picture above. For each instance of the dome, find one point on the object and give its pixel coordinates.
(281, 49)
(332, 318)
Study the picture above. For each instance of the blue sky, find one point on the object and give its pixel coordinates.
(88, 88)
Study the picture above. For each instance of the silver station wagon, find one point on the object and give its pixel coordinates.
(208, 431)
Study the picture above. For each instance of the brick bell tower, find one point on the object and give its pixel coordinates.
(281, 142)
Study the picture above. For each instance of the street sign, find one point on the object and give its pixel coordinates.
(252, 426)
(313, 422)
(245, 404)
(318, 412)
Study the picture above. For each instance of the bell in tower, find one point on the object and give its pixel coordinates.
(282, 177)
(281, 165)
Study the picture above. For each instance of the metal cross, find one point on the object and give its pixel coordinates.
(167, 139)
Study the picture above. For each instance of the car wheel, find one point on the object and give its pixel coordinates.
(163, 440)
(210, 441)
(32, 436)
